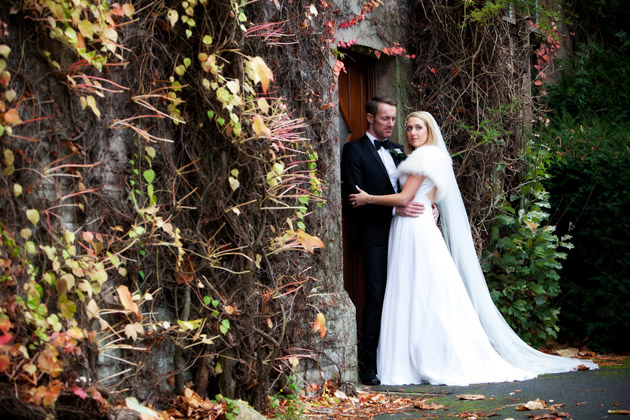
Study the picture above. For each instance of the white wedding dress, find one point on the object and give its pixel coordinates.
(430, 331)
(439, 323)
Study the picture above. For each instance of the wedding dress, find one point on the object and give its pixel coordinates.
(439, 324)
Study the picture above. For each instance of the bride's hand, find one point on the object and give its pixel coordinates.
(360, 199)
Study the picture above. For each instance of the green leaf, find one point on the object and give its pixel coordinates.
(30, 247)
(150, 151)
(207, 40)
(207, 300)
(149, 175)
(225, 326)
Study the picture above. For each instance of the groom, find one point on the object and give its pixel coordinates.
(370, 162)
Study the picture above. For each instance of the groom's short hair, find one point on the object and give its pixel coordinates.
(371, 107)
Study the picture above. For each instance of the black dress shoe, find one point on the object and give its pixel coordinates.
(369, 377)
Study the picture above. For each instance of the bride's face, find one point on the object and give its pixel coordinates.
(416, 132)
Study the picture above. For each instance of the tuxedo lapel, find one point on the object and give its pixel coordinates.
(367, 143)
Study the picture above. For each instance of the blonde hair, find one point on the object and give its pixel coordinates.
(428, 119)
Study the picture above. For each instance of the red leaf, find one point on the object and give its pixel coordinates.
(5, 339)
(80, 393)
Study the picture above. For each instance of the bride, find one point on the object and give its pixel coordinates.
(439, 324)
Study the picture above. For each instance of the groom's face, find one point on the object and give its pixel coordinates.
(382, 124)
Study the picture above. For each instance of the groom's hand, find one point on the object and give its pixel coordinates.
(410, 210)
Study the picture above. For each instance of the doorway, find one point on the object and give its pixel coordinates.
(356, 85)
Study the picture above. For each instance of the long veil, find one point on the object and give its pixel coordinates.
(458, 237)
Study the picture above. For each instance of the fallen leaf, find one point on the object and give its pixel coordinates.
(471, 397)
(133, 404)
(422, 405)
(537, 404)
(569, 352)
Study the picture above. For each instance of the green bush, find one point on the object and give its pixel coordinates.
(595, 82)
(591, 199)
(524, 253)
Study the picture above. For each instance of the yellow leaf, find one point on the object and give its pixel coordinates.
(86, 29)
(234, 184)
(172, 16)
(260, 128)
(127, 301)
(309, 242)
(86, 287)
(5, 50)
(17, 190)
(261, 73)
(263, 105)
(91, 102)
(65, 283)
(128, 9)
(92, 309)
(320, 325)
(189, 325)
(532, 226)
(233, 86)
(10, 95)
(33, 216)
(9, 159)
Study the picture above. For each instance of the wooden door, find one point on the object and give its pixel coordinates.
(356, 86)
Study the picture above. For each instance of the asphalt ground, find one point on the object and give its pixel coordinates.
(584, 395)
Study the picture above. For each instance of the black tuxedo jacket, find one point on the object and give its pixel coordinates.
(361, 165)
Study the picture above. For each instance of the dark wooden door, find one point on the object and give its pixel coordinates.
(356, 86)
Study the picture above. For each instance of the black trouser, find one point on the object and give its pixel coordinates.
(375, 268)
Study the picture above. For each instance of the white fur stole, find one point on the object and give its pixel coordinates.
(432, 162)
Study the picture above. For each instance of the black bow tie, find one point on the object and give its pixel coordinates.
(385, 143)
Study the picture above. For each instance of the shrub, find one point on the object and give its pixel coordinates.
(590, 200)
(523, 255)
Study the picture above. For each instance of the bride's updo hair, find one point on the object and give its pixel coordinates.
(428, 119)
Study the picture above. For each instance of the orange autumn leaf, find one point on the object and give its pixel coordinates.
(4, 362)
(309, 242)
(47, 362)
(320, 325)
(12, 117)
(127, 301)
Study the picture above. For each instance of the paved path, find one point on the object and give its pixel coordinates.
(586, 395)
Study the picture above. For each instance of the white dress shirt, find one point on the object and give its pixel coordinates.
(388, 161)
